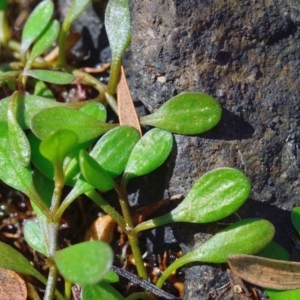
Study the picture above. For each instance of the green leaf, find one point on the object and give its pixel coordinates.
(77, 7)
(39, 161)
(113, 149)
(29, 105)
(85, 263)
(96, 110)
(11, 172)
(41, 89)
(53, 119)
(18, 142)
(102, 290)
(111, 277)
(43, 185)
(117, 25)
(55, 77)
(274, 251)
(295, 216)
(36, 23)
(188, 113)
(94, 174)
(34, 237)
(56, 146)
(44, 42)
(283, 295)
(11, 259)
(149, 153)
(244, 237)
(214, 196)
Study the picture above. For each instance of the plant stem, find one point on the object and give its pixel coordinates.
(51, 283)
(114, 75)
(92, 81)
(52, 276)
(132, 237)
(108, 209)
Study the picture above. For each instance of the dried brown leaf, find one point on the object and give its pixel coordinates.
(127, 113)
(265, 272)
(12, 286)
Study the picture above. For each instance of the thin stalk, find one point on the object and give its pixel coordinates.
(108, 209)
(92, 81)
(114, 76)
(59, 184)
(68, 288)
(132, 237)
(53, 272)
(51, 283)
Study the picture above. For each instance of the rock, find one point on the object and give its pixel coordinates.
(246, 54)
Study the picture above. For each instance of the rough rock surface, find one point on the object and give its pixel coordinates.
(246, 54)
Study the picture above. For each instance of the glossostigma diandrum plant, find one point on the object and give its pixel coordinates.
(47, 145)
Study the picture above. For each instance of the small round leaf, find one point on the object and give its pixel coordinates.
(188, 113)
(85, 263)
(33, 236)
(101, 290)
(113, 149)
(56, 146)
(96, 110)
(149, 153)
(93, 173)
(244, 237)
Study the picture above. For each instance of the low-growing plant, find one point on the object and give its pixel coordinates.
(46, 145)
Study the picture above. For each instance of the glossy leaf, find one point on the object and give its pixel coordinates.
(11, 259)
(216, 195)
(187, 113)
(56, 146)
(149, 153)
(55, 77)
(244, 237)
(44, 42)
(36, 23)
(96, 110)
(85, 263)
(113, 149)
(33, 236)
(18, 142)
(93, 173)
(117, 25)
(29, 105)
(295, 216)
(101, 290)
(265, 272)
(53, 119)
